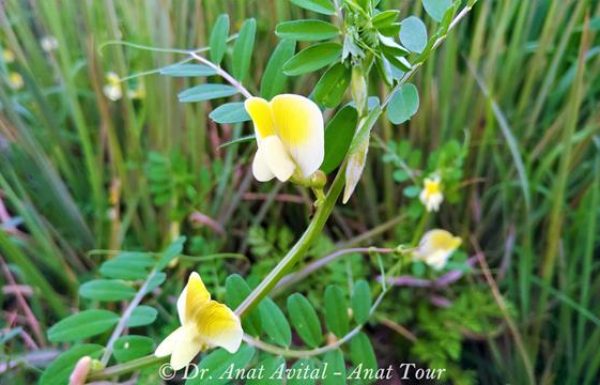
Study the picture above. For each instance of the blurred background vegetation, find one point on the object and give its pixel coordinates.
(509, 103)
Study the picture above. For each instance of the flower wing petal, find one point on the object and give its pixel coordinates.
(188, 346)
(260, 112)
(219, 326)
(299, 124)
(260, 168)
(169, 344)
(276, 157)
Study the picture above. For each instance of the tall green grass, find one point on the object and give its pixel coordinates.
(519, 80)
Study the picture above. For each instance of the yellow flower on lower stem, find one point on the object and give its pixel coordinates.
(15, 81)
(290, 137)
(431, 195)
(436, 247)
(204, 324)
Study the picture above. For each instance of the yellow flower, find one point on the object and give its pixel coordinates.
(431, 195)
(290, 137)
(113, 89)
(15, 80)
(8, 56)
(436, 247)
(204, 323)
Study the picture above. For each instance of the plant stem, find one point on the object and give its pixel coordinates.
(224, 74)
(314, 229)
(291, 279)
(125, 317)
(125, 368)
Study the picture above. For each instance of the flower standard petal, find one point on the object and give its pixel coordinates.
(196, 296)
(277, 158)
(219, 326)
(299, 125)
(260, 112)
(260, 168)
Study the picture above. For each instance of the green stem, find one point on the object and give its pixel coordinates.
(297, 252)
(127, 367)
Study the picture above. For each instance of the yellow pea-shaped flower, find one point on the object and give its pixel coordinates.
(436, 247)
(290, 137)
(431, 195)
(113, 89)
(204, 324)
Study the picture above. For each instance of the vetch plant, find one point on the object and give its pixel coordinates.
(295, 144)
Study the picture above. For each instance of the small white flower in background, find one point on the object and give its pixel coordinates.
(113, 89)
(431, 195)
(290, 136)
(436, 247)
(204, 324)
(8, 56)
(49, 43)
(15, 81)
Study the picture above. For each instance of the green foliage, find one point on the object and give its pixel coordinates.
(242, 49)
(206, 92)
(332, 86)
(219, 362)
(127, 265)
(276, 325)
(313, 58)
(363, 357)
(230, 113)
(338, 136)
(218, 38)
(128, 348)
(404, 103)
(437, 8)
(336, 311)
(335, 361)
(141, 316)
(236, 290)
(82, 325)
(304, 319)
(306, 30)
(59, 371)
(273, 81)
(361, 301)
(106, 290)
(187, 70)
(324, 7)
(413, 34)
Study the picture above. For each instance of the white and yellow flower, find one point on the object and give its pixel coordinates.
(49, 43)
(204, 324)
(113, 88)
(431, 195)
(290, 137)
(436, 247)
(8, 56)
(15, 81)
